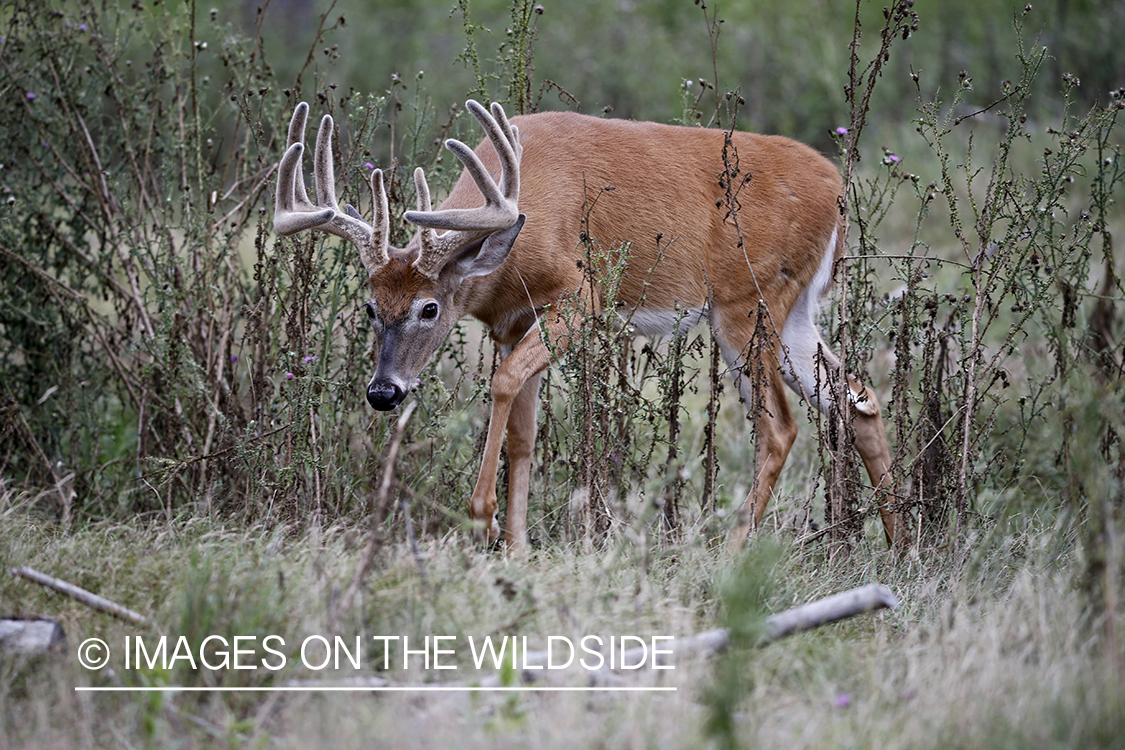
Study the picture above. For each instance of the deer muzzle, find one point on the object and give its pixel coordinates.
(385, 395)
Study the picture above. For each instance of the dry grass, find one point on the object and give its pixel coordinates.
(989, 648)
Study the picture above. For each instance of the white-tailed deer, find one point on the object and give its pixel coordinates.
(512, 262)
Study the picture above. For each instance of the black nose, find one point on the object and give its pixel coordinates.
(384, 396)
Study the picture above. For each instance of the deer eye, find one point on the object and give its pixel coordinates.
(370, 310)
(429, 311)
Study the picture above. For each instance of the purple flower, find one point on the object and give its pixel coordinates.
(288, 376)
(368, 165)
(31, 96)
(843, 700)
(83, 27)
(308, 359)
(891, 159)
(841, 130)
(233, 360)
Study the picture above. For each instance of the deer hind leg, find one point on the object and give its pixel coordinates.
(762, 391)
(811, 369)
(776, 431)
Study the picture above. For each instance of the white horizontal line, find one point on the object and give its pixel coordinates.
(373, 689)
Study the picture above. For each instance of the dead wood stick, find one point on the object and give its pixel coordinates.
(836, 607)
(374, 538)
(75, 592)
(830, 609)
(840, 606)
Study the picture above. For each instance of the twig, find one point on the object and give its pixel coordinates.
(374, 537)
(404, 508)
(74, 592)
(179, 466)
(981, 111)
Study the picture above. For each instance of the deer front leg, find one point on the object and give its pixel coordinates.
(521, 446)
(483, 506)
(515, 387)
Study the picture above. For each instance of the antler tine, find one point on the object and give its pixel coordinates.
(422, 191)
(427, 237)
(350, 226)
(294, 212)
(509, 178)
(501, 201)
(382, 223)
(500, 210)
(297, 135)
(323, 166)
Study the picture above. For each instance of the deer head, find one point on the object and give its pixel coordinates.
(414, 301)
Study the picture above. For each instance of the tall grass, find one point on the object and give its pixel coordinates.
(1024, 257)
(164, 352)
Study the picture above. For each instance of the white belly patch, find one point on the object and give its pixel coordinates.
(649, 321)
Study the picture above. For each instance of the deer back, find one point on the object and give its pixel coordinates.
(667, 192)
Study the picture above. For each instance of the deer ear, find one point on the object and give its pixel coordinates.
(484, 257)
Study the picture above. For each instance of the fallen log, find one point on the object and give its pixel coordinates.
(76, 592)
(833, 608)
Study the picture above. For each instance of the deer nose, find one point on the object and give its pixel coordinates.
(384, 396)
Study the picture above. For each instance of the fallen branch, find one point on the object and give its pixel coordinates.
(75, 592)
(840, 606)
(837, 607)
